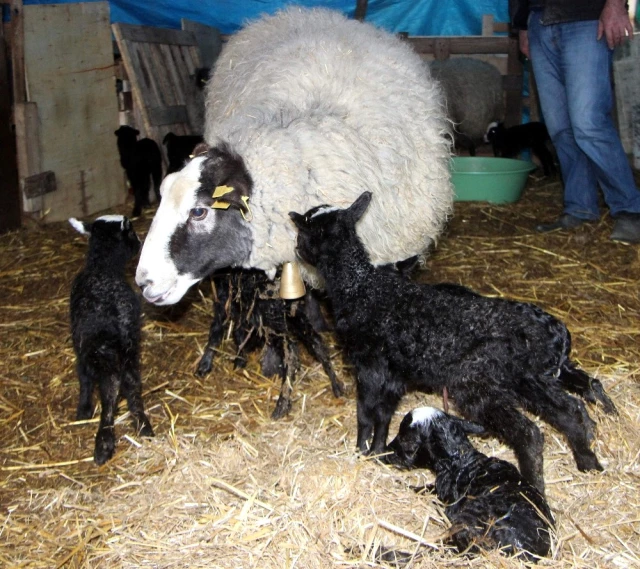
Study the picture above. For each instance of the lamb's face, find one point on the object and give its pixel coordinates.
(428, 435)
(110, 230)
(189, 238)
(324, 226)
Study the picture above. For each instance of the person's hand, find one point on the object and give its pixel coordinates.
(523, 41)
(615, 23)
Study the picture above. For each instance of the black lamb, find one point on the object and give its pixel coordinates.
(142, 162)
(510, 142)
(248, 302)
(486, 499)
(492, 355)
(179, 149)
(105, 328)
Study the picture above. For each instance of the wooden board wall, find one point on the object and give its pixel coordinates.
(70, 78)
(161, 66)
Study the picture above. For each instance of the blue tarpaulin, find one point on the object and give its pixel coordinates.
(417, 17)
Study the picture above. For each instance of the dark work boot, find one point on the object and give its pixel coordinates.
(626, 228)
(565, 221)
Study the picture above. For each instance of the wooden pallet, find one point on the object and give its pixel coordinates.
(161, 65)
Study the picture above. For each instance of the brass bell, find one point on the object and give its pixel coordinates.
(291, 283)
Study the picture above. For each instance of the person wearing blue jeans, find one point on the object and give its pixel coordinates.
(570, 44)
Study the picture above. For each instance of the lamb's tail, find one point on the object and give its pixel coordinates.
(581, 383)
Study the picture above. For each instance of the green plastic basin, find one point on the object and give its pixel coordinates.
(495, 180)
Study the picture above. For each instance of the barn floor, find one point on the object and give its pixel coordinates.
(222, 485)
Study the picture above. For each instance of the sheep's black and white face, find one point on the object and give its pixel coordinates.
(188, 238)
(428, 435)
(490, 133)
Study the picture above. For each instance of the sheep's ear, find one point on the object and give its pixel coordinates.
(201, 148)
(357, 208)
(470, 428)
(298, 220)
(80, 226)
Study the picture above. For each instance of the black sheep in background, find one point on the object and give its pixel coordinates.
(486, 499)
(510, 142)
(142, 161)
(105, 328)
(179, 149)
(493, 356)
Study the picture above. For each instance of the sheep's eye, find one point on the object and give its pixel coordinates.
(198, 213)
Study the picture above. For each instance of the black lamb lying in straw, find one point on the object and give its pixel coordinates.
(248, 302)
(105, 328)
(142, 162)
(510, 142)
(493, 356)
(486, 499)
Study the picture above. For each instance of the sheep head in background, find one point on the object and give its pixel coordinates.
(291, 126)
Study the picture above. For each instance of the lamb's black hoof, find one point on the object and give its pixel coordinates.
(205, 365)
(105, 447)
(84, 412)
(283, 406)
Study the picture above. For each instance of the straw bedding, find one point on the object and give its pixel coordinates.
(222, 485)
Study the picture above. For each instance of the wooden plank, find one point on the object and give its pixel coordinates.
(148, 34)
(70, 68)
(161, 74)
(462, 44)
(159, 116)
(442, 48)
(209, 41)
(9, 182)
(17, 52)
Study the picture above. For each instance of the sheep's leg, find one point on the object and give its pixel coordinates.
(85, 404)
(291, 366)
(300, 325)
(156, 176)
(590, 389)
(378, 398)
(512, 427)
(105, 437)
(216, 331)
(313, 312)
(569, 415)
(545, 157)
(132, 391)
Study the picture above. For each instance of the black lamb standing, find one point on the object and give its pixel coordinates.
(486, 499)
(180, 149)
(142, 162)
(510, 142)
(105, 328)
(493, 356)
(248, 302)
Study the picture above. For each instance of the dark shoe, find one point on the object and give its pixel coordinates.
(565, 221)
(626, 228)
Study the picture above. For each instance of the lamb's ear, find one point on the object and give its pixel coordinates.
(298, 220)
(358, 207)
(469, 427)
(81, 227)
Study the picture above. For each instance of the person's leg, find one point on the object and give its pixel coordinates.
(586, 65)
(580, 184)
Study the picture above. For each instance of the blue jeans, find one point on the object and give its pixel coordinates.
(573, 75)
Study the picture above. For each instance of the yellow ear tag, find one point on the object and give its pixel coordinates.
(249, 216)
(219, 204)
(221, 191)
